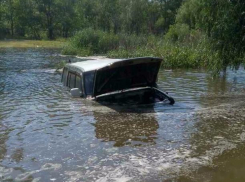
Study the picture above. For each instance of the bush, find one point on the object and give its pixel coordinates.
(178, 32)
(90, 42)
(69, 50)
(175, 55)
(191, 49)
(96, 41)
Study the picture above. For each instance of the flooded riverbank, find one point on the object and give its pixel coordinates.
(15, 43)
(46, 135)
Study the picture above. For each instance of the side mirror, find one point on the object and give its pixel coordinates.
(75, 92)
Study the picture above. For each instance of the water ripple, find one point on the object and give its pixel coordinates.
(45, 135)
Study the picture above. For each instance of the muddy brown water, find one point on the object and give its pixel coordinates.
(46, 135)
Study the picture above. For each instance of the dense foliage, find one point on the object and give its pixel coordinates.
(176, 54)
(223, 21)
(188, 33)
(50, 19)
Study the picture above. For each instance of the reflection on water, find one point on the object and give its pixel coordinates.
(3, 138)
(123, 129)
(45, 135)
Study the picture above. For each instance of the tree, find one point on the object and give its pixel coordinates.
(48, 10)
(9, 13)
(168, 11)
(2, 27)
(67, 17)
(223, 22)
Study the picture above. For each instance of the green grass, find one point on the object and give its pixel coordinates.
(174, 54)
(96, 42)
(193, 51)
(32, 44)
(60, 65)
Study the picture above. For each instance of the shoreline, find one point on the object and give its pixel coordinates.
(15, 43)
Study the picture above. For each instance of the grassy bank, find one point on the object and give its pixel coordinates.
(32, 44)
(174, 55)
(196, 53)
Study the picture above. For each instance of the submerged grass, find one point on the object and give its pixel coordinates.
(174, 55)
(59, 66)
(32, 44)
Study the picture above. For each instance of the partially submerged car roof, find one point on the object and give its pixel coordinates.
(109, 75)
(92, 65)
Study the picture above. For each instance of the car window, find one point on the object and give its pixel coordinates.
(78, 82)
(64, 76)
(89, 82)
(71, 80)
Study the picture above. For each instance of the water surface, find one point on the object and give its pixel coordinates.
(46, 135)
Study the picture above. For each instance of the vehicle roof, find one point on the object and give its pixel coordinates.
(90, 65)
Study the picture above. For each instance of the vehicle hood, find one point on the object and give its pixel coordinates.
(126, 74)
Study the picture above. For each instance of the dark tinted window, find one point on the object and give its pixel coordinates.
(78, 82)
(89, 82)
(64, 76)
(71, 80)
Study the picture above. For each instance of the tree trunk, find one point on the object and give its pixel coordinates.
(50, 33)
(50, 23)
(11, 18)
(12, 27)
(65, 31)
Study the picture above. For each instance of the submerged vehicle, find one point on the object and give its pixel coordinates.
(129, 81)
